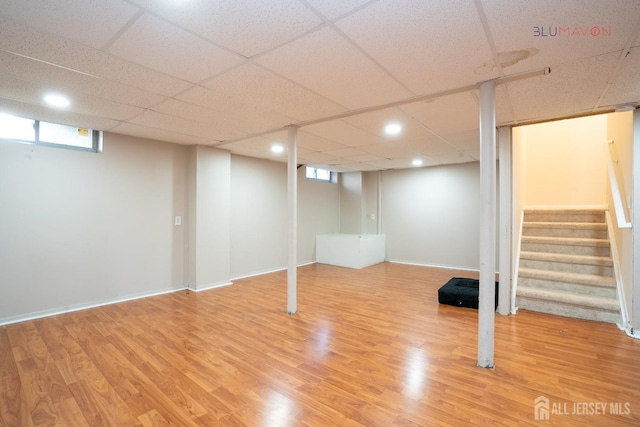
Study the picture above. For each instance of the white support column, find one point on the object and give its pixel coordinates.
(292, 184)
(486, 303)
(506, 221)
(634, 316)
(379, 209)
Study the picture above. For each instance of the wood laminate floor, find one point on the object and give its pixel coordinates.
(367, 347)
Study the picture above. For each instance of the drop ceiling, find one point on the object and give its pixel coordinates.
(234, 74)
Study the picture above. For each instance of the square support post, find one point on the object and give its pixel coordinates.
(486, 302)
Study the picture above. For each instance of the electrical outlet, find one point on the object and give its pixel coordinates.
(178, 220)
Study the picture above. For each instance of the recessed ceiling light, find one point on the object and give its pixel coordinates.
(417, 162)
(277, 148)
(56, 100)
(393, 129)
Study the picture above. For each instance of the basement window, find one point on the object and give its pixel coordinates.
(317, 174)
(38, 132)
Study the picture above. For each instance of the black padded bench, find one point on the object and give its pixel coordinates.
(461, 292)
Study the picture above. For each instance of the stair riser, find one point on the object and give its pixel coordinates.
(549, 217)
(598, 270)
(571, 288)
(580, 280)
(564, 232)
(566, 249)
(552, 307)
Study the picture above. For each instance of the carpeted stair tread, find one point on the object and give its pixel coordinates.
(570, 215)
(598, 303)
(569, 225)
(569, 211)
(568, 241)
(557, 276)
(567, 310)
(568, 258)
(566, 266)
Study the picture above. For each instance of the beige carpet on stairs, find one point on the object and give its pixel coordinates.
(566, 266)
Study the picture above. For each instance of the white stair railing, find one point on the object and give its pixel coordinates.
(617, 192)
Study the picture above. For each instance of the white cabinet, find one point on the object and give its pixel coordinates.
(350, 250)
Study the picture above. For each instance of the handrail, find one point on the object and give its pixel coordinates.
(624, 314)
(617, 192)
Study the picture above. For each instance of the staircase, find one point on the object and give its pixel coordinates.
(566, 266)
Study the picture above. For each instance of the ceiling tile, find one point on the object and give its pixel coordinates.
(245, 27)
(343, 132)
(333, 9)
(562, 92)
(62, 79)
(335, 168)
(336, 70)
(453, 157)
(158, 134)
(462, 141)
(620, 91)
(226, 127)
(239, 114)
(178, 125)
(39, 112)
(518, 33)
(321, 158)
(359, 167)
(150, 41)
(261, 87)
(316, 143)
(388, 150)
(385, 164)
(475, 154)
(375, 122)
(363, 158)
(446, 114)
(267, 65)
(438, 38)
(256, 147)
(90, 22)
(33, 93)
(345, 152)
(428, 145)
(74, 56)
(255, 153)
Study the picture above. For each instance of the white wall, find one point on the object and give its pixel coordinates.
(259, 215)
(430, 215)
(318, 213)
(370, 202)
(209, 221)
(565, 163)
(351, 203)
(80, 228)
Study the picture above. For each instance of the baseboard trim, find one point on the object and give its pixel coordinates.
(260, 273)
(420, 264)
(209, 286)
(79, 307)
(632, 333)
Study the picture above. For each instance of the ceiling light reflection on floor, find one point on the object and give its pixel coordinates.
(414, 377)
